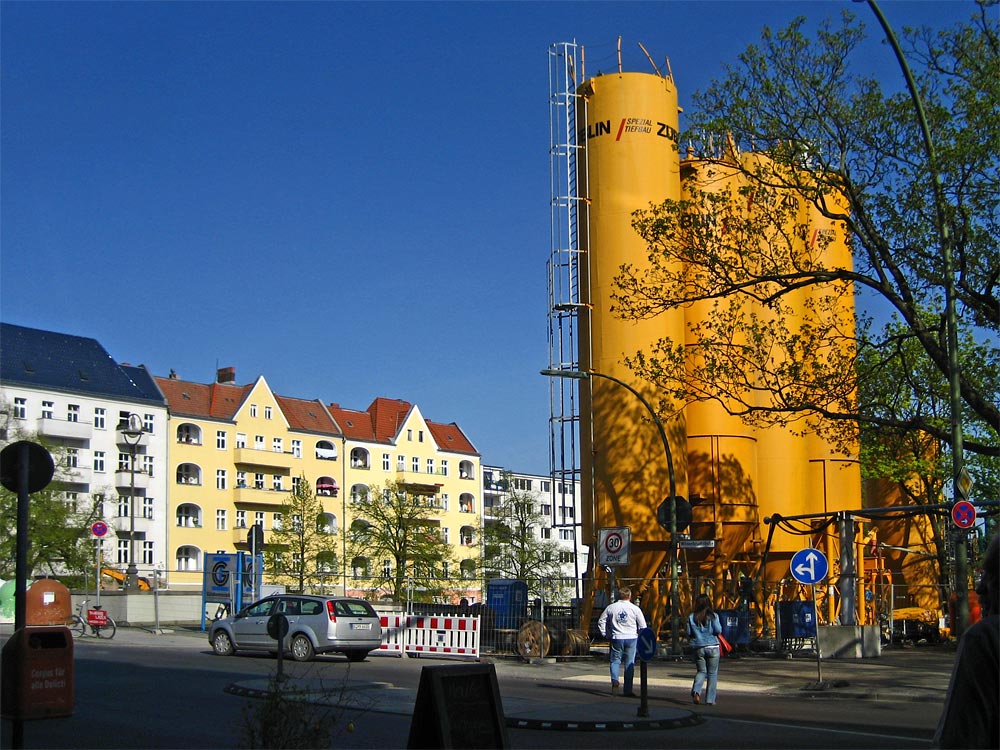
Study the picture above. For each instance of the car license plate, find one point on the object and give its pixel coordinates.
(361, 626)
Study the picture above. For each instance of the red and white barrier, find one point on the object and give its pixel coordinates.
(430, 634)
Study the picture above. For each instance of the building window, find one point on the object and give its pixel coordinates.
(400, 463)
(187, 558)
(99, 458)
(546, 485)
(147, 553)
(258, 481)
(241, 519)
(276, 482)
(258, 442)
(70, 498)
(253, 410)
(277, 445)
(276, 521)
(444, 467)
(267, 412)
(258, 517)
(446, 535)
(546, 532)
(385, 462)
(297, 448)
(123, 506)
(220, 519)
(20, 408)
(241, 479)
(430, 465)
(420, 436)
(100, 418)
(47, 409)
(147, 508)
(409, 436)
(220, 439)
(147, 465)
(72, 457)
(220, 479)
(147, 423)
(566, 535)
(122, 552)
(296, 483)
(521, 483)
(73, 413)
(416, 465)
(241, 440)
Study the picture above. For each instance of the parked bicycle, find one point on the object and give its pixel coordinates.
(97, 620)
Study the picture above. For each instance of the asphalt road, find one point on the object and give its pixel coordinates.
(168, 691)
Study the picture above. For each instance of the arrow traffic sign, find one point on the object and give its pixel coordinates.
(809, 566)
(645, 647)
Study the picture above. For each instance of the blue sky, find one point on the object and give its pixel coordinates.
(351, 199)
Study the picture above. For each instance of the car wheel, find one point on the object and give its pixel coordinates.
(302, 648)
(356, 655)
(222, 645)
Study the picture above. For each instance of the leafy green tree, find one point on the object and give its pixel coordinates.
(511, 548)
(59, 542)
(855, 156)
(302, 551)
(397, 526)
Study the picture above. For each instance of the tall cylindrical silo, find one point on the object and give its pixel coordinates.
(630, 160)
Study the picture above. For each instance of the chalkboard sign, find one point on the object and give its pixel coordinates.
(458, 706)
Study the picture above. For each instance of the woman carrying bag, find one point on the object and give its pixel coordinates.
(703, 629)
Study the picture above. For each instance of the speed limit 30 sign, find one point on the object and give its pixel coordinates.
(613, 545)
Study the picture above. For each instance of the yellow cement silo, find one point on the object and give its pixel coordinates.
(736, 475)
(630, 160)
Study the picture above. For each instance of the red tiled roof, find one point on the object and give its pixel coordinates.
(449, 437)
(308, 416)
(388, 416)
(354, 425)
(211, 401)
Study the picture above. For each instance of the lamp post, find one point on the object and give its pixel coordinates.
(674, 604)
(951, 316)
(132, 433)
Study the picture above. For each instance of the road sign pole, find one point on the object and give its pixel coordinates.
(97, 566)
(819, 661)
(643, 695)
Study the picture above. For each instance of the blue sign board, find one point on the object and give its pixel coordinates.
(645, 647)
(809, 566)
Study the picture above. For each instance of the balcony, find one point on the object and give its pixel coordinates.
(61, 428)
(122, 525)
(123, 479)
(270, 459)
(240, 534)
(260, 495)
(74, 475)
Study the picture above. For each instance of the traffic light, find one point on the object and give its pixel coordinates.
(665, 510)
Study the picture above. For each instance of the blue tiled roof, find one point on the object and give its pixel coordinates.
(45, 359)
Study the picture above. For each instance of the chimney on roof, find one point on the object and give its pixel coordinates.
(173, 374)
(226, 375)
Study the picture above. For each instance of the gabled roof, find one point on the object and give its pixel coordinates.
(384, 419)
(307, 416)
(449, 437)
(211, 401)
(354, 424)
(58, 361)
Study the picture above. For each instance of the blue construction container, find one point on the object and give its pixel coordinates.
(796, 620)
(508, 598)
(735, 626)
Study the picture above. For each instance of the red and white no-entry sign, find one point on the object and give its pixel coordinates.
(613, 545)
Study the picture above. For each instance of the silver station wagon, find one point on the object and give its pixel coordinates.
(316, 625)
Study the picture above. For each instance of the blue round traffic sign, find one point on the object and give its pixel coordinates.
(809, 566)
(963, 514)
(645, 647)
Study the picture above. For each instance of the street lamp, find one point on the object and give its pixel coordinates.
(951, 316)
(674, 603)
(132, 433)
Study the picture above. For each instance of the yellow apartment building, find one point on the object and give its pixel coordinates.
(236, 452)
(391, 441)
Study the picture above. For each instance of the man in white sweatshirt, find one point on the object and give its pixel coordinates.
(620, 623)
